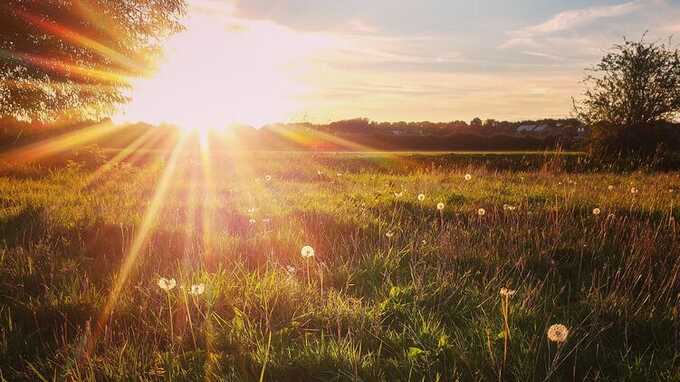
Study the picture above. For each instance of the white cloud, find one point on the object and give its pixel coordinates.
(580, 17)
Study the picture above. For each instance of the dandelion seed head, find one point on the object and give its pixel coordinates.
(291, 269)
(507, 292)
(440, 206)
(166, 284)
(399, 194)
(389, 234)
(596, 211)
(558, 333)
(252, 221)
(307, 251)
(197, 289)
(634, 190)
(481, 212)
(468, 177)
(421, 197)
(610, 187)
(268, 178)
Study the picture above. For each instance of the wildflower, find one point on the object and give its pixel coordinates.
(506, 292)
(291, 269)
(634, 190)
(307, 251)
(468, 177)
(440, 206)
(421, 197)
(197, 289)
(399, 194)
(596, 211)
(166, 284)
(389, 234)
(252, 210)
(558, 333)
(481, 212)
(610, 216)
(319, 172)
(610, 187)
(339, 174)
(424, 242)
(268, 178)
(252, 221)
(508, 207)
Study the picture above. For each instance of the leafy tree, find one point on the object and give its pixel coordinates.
(75, 58)
(636, 84)
(476, 122)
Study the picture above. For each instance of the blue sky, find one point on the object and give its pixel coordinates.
(418, 60)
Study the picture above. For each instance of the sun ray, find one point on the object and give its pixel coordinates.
(81, 40)
(122, 155)
(60, 144)
(210, 200)
(140, 239)
(70, 69)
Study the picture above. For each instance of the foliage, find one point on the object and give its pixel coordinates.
(636, 84)
(74, 58)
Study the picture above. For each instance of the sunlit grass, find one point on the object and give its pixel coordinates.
(274, 265)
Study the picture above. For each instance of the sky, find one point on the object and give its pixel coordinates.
(263, 61)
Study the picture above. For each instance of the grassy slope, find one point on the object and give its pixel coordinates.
(420, 305)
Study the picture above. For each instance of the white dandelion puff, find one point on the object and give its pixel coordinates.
(440, 206)
(558, 333)
(389, 234)
(421, 197)
(507, 292)
(596, 211)
(634, 190)
(268, 178)
(481, 212)
(197, 289)
(307, 251)
(468, 177)
(610, 188)
(167, 284)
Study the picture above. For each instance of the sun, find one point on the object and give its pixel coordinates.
(221, 72)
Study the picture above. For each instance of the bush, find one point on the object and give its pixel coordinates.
(651, 145)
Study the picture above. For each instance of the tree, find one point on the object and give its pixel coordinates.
(636, 84)
(76, 58)
(476, 122)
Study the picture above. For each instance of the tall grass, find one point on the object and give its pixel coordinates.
(421, 304)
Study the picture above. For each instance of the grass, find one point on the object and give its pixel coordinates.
(420, 305)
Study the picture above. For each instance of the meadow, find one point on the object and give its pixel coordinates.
(330, 267)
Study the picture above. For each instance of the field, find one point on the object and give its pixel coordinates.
(397, 289)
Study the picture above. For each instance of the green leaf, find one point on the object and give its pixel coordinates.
(414, 352)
